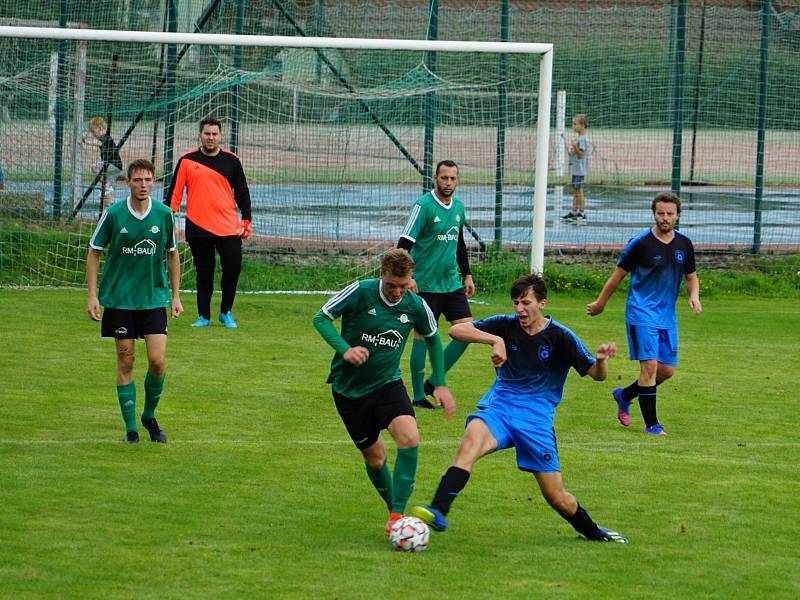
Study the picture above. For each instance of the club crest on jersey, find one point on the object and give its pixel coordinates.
(146, 247)
(544, 353)
(391, 338)
(679, 256)
(458, 218)
(154, 229)
(403, 318)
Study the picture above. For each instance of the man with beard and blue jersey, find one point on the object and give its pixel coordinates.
(658, 260)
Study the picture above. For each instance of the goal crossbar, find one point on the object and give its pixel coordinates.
(545, 51)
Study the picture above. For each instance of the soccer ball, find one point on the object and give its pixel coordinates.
(409, 534)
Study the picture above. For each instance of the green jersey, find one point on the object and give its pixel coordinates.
(434, 228)
(371, 321)
(135, 274)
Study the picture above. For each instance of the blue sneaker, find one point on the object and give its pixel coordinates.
(657, 429)
(432, 516)
(623, 407)
(227, 320)
(202, 322)
(611, 536)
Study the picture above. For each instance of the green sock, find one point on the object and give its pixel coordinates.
(405, 473)
(382, 481)
(153, 386)
(126, 394)
(453, 352)
(419, 351)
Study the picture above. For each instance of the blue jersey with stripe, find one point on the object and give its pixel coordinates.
(531, 382)
(656, 272)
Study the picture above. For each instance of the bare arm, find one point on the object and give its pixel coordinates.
(693, 287)
(596, 307)
(174, 271)
(92, 269)
(599, 370)
(467, 332)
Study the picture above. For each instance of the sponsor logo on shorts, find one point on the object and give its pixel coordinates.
(547, 457)
(121, 330)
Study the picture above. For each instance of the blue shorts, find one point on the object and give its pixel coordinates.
(648, 343)
(537, 450)
(577, 182)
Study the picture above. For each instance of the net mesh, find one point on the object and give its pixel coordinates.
(333, 142)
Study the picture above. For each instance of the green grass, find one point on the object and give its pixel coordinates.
(259, 493)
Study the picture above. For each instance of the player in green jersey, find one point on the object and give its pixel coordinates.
(135, 291)
(378, 316)
(434, 235)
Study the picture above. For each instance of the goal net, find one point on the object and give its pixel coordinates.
(338, 138)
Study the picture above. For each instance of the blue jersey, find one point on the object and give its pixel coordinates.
(656, 272)
(531, 382)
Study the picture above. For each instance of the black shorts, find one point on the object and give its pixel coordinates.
(453, 305)
(124, 324)
(365, 417)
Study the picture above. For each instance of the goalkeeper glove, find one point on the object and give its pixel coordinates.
(246, 229)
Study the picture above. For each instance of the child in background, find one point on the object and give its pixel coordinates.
(109, 155)
(578, 152)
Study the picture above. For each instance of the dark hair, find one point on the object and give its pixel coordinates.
(668, 197)
(140, 164)
(210, 121)
(397, 262)
(445, 163)
(533, 281)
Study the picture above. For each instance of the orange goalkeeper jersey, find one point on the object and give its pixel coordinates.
(215, 187)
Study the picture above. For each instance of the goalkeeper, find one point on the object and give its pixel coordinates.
(378, 316)
(215, 187)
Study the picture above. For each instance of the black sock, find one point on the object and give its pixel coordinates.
(629, 393)
(647, 403)
(583, 524)
(453, 481)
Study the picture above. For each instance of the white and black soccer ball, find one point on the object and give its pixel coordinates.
(409, 534)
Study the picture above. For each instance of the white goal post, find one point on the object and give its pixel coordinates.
(545, 51)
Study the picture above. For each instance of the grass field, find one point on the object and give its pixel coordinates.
(259, 493)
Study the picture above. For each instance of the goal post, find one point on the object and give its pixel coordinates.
(331, 103)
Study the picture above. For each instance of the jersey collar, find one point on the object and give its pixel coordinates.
(442, 204)
(135, 214)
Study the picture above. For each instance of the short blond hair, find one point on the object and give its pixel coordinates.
(98, 123)
(397, 262)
